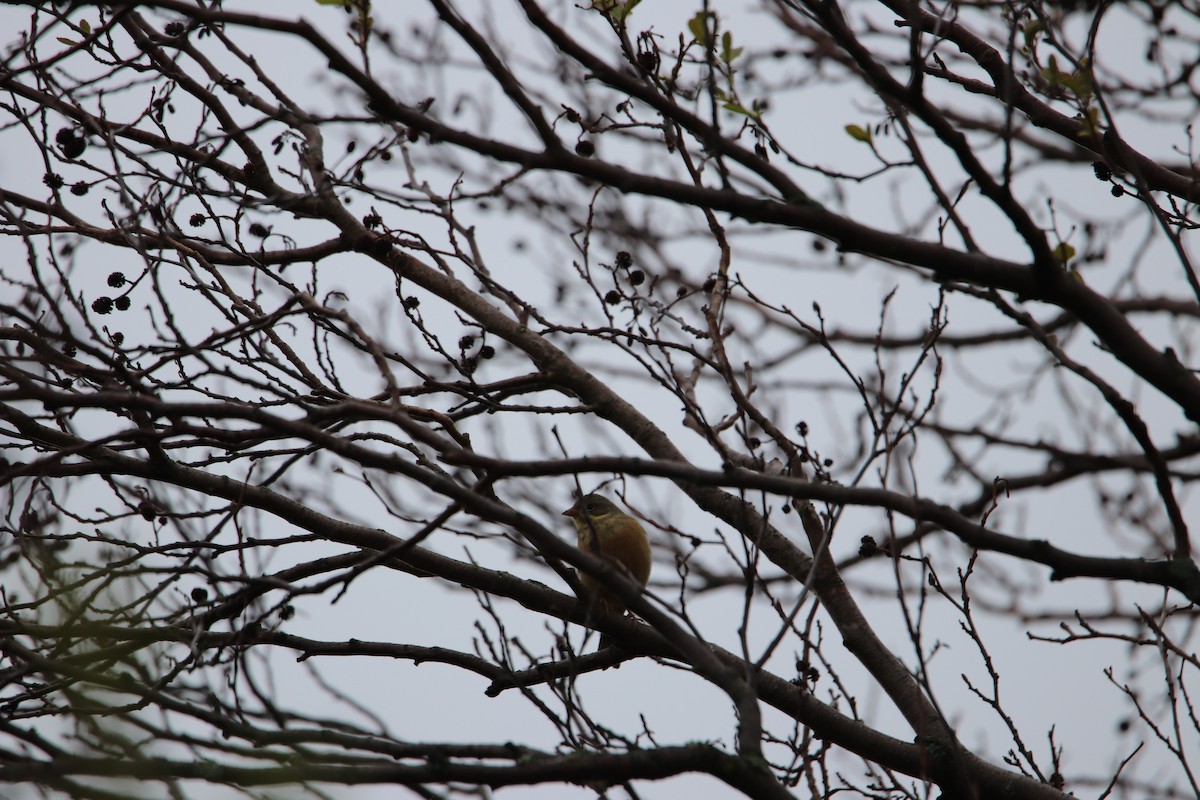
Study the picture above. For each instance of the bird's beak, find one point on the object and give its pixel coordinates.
(571, 512)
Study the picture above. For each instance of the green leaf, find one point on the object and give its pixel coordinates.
(859, 133)
(728, 51)
(85, 25)
(1079, 82)
(698, 25)
(622, 12)
(1064, 252)
(66, 41)
(617, 10)
(1089, 123)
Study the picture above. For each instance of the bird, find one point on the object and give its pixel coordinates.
(615, 537)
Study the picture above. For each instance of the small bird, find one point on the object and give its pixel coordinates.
(610, 534)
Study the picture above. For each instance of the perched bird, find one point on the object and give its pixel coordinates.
(615, 537)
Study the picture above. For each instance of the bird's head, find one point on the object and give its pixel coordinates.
(594, 506)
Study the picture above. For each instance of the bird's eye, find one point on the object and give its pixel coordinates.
(590, 506)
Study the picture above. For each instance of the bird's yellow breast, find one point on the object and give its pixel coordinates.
(618, 539)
